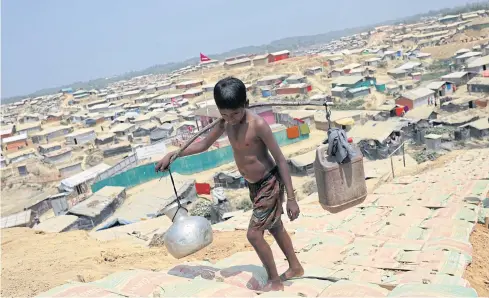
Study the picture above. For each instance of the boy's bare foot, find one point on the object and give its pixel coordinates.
(273, 285)
(292, 273)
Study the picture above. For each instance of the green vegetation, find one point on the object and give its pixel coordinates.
(350, 105)
(440, 130)
(424, 156)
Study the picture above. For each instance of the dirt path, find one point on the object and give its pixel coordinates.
(33, 263)
(478, 272)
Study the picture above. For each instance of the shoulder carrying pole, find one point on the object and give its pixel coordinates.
(326, 103)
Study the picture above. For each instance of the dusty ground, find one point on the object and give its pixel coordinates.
(33, 263)
(478, 272)
(448, 50)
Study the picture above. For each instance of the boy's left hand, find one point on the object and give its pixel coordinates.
(292, 209)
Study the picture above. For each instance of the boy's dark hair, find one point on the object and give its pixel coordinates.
(230, 93)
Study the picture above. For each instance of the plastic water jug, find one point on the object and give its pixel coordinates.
(187, 234)
(340, 186)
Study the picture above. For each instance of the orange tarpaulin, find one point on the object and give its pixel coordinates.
(293, 132)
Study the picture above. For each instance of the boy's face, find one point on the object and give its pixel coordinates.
(234, 116)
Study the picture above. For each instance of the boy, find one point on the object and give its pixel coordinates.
(251, 139)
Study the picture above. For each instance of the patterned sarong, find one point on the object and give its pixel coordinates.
(267, 198)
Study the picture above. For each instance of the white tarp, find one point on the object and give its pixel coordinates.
(149, 151)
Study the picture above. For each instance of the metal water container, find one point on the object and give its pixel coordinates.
(187, 234)
(340, 186)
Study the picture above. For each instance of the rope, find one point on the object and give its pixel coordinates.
(176, 196)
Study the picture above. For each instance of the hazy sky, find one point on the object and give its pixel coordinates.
(47, 43)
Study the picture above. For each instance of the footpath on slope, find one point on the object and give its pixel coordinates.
(411, 234)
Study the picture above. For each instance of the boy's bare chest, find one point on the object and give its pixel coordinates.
(243, 138)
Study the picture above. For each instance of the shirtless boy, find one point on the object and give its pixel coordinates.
(251, 139)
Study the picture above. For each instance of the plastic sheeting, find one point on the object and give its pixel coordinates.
(345, 288)
(185, 165)
(431, 290)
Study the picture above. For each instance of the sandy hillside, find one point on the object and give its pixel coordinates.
(478, 272)
(35, 262)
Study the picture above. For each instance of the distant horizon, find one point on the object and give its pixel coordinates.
(39, 54)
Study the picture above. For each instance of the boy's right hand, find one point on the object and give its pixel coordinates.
(163, 164)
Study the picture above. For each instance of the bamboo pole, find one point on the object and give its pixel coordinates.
(219, 120)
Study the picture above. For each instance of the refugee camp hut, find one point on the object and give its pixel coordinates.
(459, 77)
(69, 169)
(415, 98)
(123, 129)
(421, 116)
(260, 60)
(15, 143)
(164, 131)
(80, 182)
(227, 179)
(479, 128)
(144, 130)
(478, 85)
(28, 128)
(296, 79)
(377, 139)
(321, 123)
(433, 142)
(302, 165)
(116, 149)
(58, 156)
(294, 117)
(98, 207)
(270, 80)
(51, 133)
(49, 147)
(105, 138)
(339, 92)
(310, 71)
(21, 155)
(21, 219)
(349, 81)
(58, 224)
(142, 119)
(441, 88)
(357, 92)
(80, 137)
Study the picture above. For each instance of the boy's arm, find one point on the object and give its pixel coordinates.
(265, 133)
(203, 145)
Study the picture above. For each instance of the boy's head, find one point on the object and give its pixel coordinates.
(230, 97)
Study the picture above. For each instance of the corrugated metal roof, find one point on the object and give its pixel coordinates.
(455, 75)
(374, 130)
(479, 62)
(81, 132)
(420, 113)
(97, 202)
(56, 224)
(480, 124)
(30, 151)
(468, 55)
(418, 93)
(348, 80)
(121, 127)
(435, 85)
(478, 81)
(16, 138)
(84, 176)
(15, 220)
(238, 61)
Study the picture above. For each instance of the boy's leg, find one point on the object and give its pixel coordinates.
(266, 256)
(285, 244)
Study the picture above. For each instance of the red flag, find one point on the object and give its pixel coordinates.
(204, 58)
